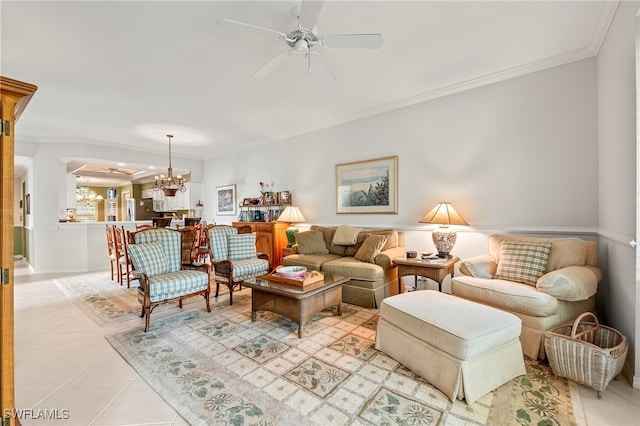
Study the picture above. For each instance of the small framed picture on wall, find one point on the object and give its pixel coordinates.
(226, 200)
(284, 198)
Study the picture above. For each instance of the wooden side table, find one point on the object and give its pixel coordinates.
(436, 270)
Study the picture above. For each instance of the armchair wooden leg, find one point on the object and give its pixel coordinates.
(217, 289)
(231, 294)
(207, 295)
(147, 319)
(180, 303)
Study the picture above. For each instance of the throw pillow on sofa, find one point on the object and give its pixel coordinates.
(523, 262)
(311, 242)
(345, 235)
(371, 247)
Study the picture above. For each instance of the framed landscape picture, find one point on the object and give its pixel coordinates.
(226, 200)
(369, 186)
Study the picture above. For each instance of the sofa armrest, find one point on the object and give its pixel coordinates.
(294, 249)
(571, 283)
(385, 258)
(483, 266)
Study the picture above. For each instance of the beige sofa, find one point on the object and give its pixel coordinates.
(566, 287)
(373, 276)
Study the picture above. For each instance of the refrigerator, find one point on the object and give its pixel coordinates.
(139, 209)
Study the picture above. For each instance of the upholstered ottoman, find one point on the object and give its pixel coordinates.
(463, 348)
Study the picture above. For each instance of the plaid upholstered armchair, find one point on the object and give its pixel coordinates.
(234, 257)
(157, 262)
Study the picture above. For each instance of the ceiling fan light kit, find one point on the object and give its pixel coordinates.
(305, 37)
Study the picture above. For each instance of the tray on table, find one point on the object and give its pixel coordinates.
(309, 277)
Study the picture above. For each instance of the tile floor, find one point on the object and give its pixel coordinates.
(63, 363)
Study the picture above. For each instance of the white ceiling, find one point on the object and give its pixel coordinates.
(126, 73)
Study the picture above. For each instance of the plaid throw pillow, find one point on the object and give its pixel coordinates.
(148, 258)
(523, 262)
(242, 246)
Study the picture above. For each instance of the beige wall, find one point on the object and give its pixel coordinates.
(617, 301)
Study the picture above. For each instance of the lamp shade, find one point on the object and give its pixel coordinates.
(291, 214)
(443, 214)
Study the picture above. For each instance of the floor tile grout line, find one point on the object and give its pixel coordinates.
(110, 403)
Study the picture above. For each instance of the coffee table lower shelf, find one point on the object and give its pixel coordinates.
(297, 303)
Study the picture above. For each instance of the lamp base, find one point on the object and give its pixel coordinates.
(443, 239)
(291, 232)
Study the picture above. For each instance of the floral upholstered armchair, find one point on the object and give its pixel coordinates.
(157, 263)
(234, 257)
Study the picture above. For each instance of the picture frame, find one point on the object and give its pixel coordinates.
(369, 186)
(226, 200)
(284, 198)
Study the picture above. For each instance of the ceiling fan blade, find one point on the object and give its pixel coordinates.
(360, 41)
(309, 12)
(222, 22)
(273, 63)
(319, 68)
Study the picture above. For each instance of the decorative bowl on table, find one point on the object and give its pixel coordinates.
(291, 271)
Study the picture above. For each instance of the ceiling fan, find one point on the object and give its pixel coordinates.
(113, 171)
(305, 38)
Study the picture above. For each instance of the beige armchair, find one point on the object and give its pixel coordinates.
(545, 282)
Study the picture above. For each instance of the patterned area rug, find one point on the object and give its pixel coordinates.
(220, 368)
(106, 302)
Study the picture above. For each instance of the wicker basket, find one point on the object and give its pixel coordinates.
(586, 352)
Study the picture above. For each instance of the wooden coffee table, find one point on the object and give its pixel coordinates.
(298, 303)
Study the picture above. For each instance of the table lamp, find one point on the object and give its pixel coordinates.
(443, 214)
(293, 215)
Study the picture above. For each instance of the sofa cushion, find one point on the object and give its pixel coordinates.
(352, 268)
(148, 258)
(327, 234)
(247, 268)
(483, 266)
(241, 246)
(371, 247)
(572, 283)
(392, 237)
(566, 252)
(311, 242)
(310, 261)
(508, 295)
(352, 250)
(346, 235)
(523, 262)
(176, 284)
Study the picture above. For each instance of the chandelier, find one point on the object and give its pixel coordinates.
(169, 184)
(84, 194)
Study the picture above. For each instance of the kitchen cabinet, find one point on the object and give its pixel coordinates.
(270, 239)
(181, 201)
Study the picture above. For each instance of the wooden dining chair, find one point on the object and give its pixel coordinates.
(125, 267)
(161, 222)
(189, 245)
(113, 255)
